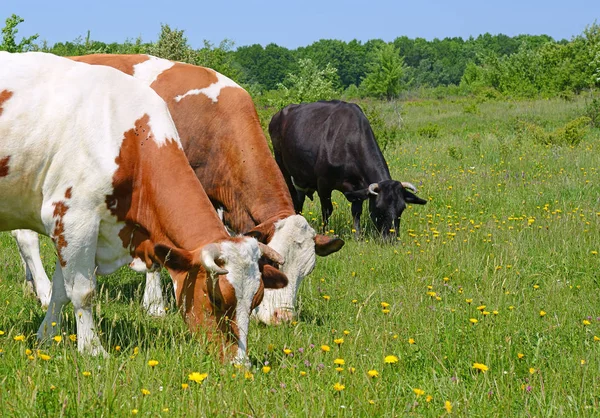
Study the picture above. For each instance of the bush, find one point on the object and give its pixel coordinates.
(471, 108)
(431, 130)
(570, 134)
(592, 111)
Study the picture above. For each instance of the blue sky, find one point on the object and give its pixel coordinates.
(298, 23)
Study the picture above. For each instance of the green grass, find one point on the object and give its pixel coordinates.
(510, 224)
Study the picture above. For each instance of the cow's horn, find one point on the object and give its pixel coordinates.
(373, 188)
(409, 186)
(210, 253)
(270, 253)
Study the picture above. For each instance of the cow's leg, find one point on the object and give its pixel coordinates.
(357, 208)
(35, 275)
(76, 247)
(326, 205)
(153, 301)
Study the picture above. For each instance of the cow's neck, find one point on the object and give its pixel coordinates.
(158, 196)
(243, 178)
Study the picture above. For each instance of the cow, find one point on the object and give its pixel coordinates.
(91, 157)
(329, 145)
(225, 145)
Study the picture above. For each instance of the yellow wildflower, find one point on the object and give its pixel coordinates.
(351, 369)
(302, 373)
(339, 361)
(520, 355)
(338, 387)
(145, 392)
(531, 370)
(152, 363)
(87, 374)
(43, 356)
(73, 337)
(373, 373)
(134, 412)
(586, 322)
(385, 305)
(429, 398)
(473, 321)
(480, 366)
(266, 369)
(596, 338)
(542, 313)
(419, 392)
(390, 359)
(325, 348)
(28, 352)
(287, 351)
(57, 338)
(469, 301)
(19, 337)
(448, 407)
(197, 377)
(411, 340)
(339, 341)
(248, 375)
(326, 297)
(481, 307)
(184, 386)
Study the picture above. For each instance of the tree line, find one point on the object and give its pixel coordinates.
(523, 65)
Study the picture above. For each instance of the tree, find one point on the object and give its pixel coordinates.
(309, 84)
(172, 45)
(384, 72)
(9, 35)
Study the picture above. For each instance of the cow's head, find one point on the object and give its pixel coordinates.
(221, 283)
(387, 201)
(298, 243)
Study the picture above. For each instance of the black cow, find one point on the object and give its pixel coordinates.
(326, 146)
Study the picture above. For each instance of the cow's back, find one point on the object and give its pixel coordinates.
(65, 129)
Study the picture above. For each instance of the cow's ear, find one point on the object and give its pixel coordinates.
(174, 258)
(273, 278)
(357, 195)
(409, 197)
(325, 245)
(262, 232)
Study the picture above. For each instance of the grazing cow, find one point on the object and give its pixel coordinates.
(90, 157)
(225, 145)
(326, 146)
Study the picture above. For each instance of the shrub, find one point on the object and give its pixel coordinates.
(471, 108)
(592, 111)
(430, 130)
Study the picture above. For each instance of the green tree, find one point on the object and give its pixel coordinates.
(384, 72)
(219, 58)
(172, 45)
(309, 84)
(9, 35)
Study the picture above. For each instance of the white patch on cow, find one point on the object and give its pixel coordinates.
(153, 300)
(213, 91)
(241, 260)
(294, 240)
(149, 70)
(138, 265)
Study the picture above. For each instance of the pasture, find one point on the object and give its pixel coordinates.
(487, 304)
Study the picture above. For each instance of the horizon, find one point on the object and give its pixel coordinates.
(383, 20)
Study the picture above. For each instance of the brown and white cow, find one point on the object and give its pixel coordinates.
(225, 145)
(90, 157)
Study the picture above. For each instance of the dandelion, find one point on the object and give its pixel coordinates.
(481, 307)
(495, 312)
(19, 337)
(134, 412)
(73, 337)
(87, 374)
(448, 407)
(385, 311)
(354, 300)
(287, 351)
(373, 373)
(266, 369)
(152, 363)
(520, 355)
(583, 362)
(346, 332)
(197, 377)
(1, 332)
(542, 313)
(248, 375)
(44, 357)
(536, 286)
(469, 301)
(326, 297)
(57, 338)
(117, 348)
(303, 373)
(145, 392)
(419, 392)
(586, 322)
(53, 324)
(596, 338)
(531, 370)
(325, 348)
(390, 359)
(510, 308)
(429, 398)
(473, 321)
(338, 387)
(485, 313)
(339, 369)
(28, 352)
(339, 361)
(351, 370)
(184, 386)
(339, 341)
(385, 305)
(481, 367)
(371, 402)
(411, 340)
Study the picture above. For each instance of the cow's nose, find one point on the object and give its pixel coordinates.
(281, 315)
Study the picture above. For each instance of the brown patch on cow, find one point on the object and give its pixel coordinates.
(4, 166)
(58, 234)
(124, 63)
(4, 96)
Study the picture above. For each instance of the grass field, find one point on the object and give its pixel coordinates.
(487, 305)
